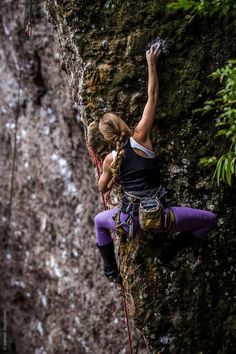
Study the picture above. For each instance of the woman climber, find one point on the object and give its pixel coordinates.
(134, 165)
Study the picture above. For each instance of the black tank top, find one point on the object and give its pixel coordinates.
(138, 173)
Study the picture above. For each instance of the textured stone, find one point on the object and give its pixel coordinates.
(189, 311)
(181, 312)
(52, 289)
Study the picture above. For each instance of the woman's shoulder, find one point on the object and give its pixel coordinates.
(145, 143)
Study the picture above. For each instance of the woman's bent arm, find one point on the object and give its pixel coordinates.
(106, 175)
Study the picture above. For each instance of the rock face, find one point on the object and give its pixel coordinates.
(53, 298)
(103, 45)
(51, 286)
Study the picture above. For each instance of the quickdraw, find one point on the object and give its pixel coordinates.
(119, 229)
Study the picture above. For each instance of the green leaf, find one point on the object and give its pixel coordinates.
(221, 132)
(224, 169)
(181, 5)
(228, 174)
(223, 106)
(207, 161)
(218, 170)
(233, 166)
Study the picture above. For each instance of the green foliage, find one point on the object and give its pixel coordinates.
(206, 7)
(225, 106)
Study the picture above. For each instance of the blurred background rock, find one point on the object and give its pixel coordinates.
(51, 286)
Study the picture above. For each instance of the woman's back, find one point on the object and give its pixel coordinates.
(138, 173)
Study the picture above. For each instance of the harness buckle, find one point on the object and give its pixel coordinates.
(128, 236)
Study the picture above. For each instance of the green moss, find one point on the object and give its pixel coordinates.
(231, 323)
(123, 74)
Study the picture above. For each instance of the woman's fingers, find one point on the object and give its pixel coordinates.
(157, 49)
(157, 53)
(154, 52)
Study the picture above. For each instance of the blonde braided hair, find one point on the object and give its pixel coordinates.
(116, 132)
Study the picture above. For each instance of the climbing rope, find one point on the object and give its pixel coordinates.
(97, 161)
(98, 164)
(127, 319)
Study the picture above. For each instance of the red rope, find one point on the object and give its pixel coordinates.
(96, 160)
(104, 201)
(98, 165)
(109, 197)
(127, 320)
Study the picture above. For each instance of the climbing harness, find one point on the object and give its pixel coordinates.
(148, 205)
(119, 225)
(128, 223)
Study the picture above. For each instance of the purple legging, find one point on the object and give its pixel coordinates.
(197, 221)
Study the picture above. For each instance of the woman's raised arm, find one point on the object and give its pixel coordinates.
(143, 129)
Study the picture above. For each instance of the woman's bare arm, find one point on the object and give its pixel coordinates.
(143, 129)
(106, 175)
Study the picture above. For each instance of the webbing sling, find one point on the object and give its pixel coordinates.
(119, 229)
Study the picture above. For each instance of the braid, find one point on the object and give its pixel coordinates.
(115, 131)
(120, 149)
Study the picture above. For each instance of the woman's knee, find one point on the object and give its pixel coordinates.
(213, 220)
(98, 220)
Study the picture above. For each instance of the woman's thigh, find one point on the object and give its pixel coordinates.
(193, 219)
(105, 219)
